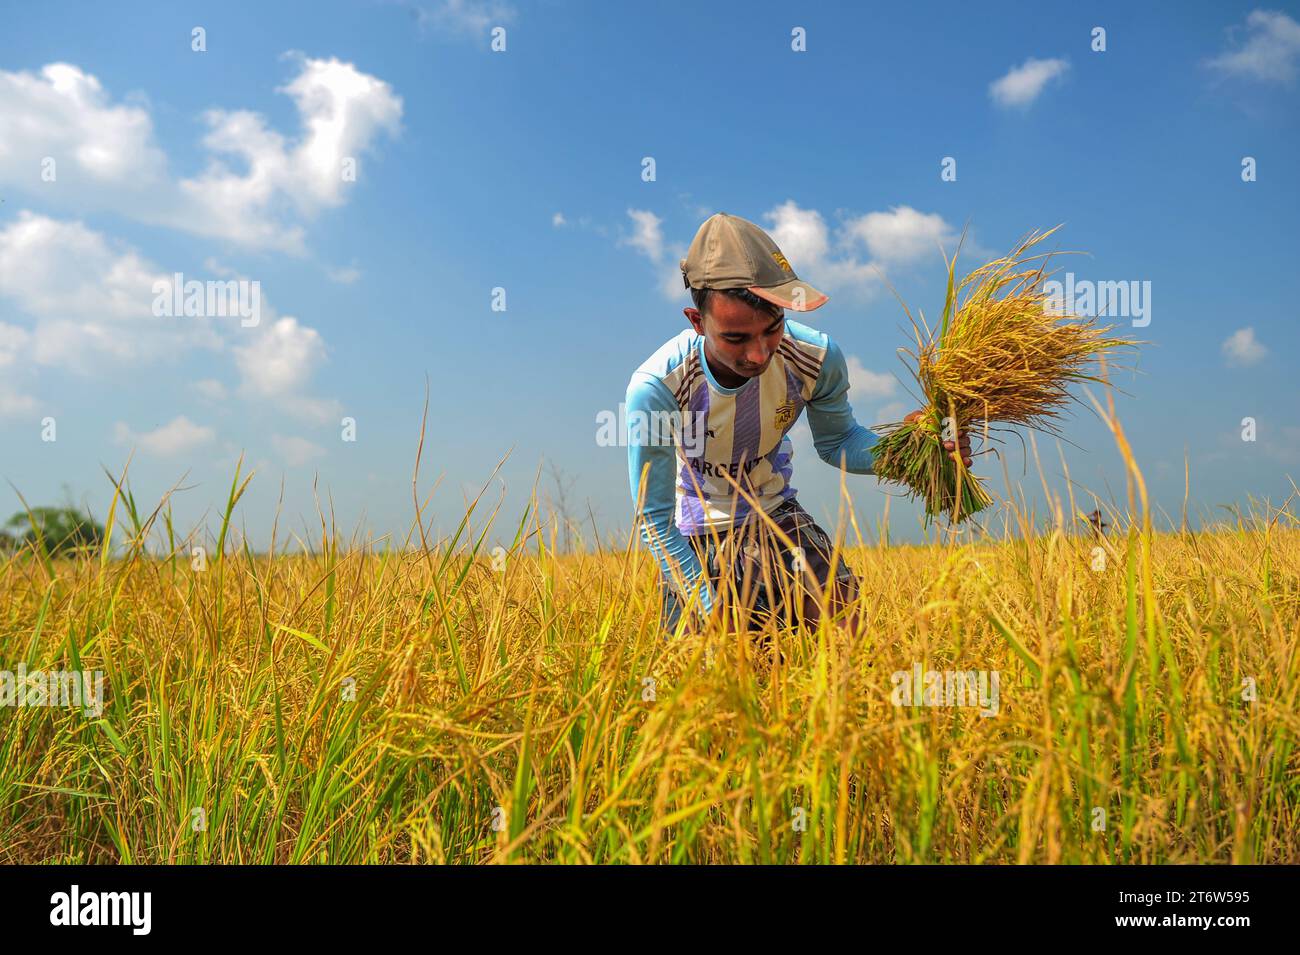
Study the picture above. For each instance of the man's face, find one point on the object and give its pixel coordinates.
(737, 336)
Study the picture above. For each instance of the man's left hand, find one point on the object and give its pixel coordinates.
(963, 439)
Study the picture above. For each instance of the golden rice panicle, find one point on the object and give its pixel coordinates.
(1001, 356)
(1007, 356)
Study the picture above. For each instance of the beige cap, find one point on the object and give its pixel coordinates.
(731, 252)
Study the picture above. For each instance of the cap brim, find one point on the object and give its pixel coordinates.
(787, 294)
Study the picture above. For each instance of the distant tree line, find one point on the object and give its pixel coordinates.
(63, 530)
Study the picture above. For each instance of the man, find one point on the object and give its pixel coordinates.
(733, 385)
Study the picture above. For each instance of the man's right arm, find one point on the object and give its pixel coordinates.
(651, 454)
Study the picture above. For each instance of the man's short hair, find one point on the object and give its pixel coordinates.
(700, 296)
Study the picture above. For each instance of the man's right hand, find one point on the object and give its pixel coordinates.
(963, 438)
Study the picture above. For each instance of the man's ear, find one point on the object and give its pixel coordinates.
(695, 318)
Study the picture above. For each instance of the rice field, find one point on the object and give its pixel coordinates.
(448, 702)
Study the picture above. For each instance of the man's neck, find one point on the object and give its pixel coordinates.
(723, 376)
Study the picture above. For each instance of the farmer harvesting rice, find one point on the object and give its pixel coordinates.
(732, 386)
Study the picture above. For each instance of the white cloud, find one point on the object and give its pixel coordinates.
(648, 237)
(314, 410)
(211, 389)
(92, 304)
(64, 113)
(107, 159)
(900, 236)
(1270, 52)
(865, 383)
(13, 404)
(1023, 83)
(1242, 348)
(828, 259)
(894, 411)
(278, 362)
(295, 451)
(219, 269)
(903, 234)
(175, 437)
(91, 299)
(341, 111)
(671, 285)
(12, 341)
(52, 267)
(805, 239)
(560, 221)
(466, 17)
(280, 359)
(800, 234)
(1284, 449)
(344, 276)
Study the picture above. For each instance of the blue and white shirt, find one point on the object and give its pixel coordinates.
(688, 435)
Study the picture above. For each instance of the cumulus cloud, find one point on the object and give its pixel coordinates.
(91, 299)
(647, 238)
(647, 235)
(1270, 51)
(1242, 348)
(64, 113)
(801, 234)
(12, 340)
(849, 258)
(295, 451)
(834, 260)
(277, 364)
(211, 389)
(91, 304)
(866, 387)
(464, 17)
(902, 234)
(344, 276)
(1022, 84)
(1286, 448)
(13, 404)
(177, 436)
(105, 155)
(280, 359)
(806, 240)
(865, 383)
(894, 411)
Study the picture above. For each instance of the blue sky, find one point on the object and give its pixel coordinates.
(522, 170)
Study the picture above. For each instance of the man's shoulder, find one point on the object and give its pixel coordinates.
(807, 337)
(670, 358)
(806, 348)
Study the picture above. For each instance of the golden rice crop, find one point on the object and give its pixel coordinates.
(412, 704)
(1001, 357)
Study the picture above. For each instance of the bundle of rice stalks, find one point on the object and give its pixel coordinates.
(1002, 355)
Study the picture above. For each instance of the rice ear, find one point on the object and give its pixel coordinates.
(999, 356)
